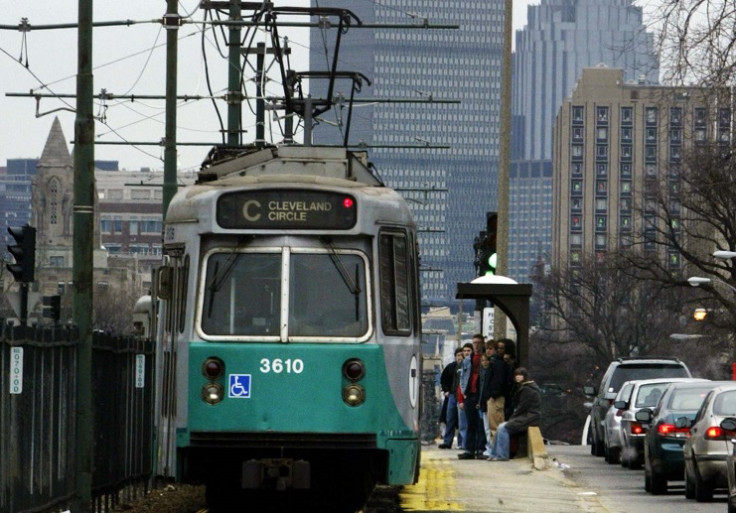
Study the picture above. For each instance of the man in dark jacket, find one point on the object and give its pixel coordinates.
(527, 401)
(448, 382)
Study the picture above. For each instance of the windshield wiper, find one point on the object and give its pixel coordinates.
(219, 277)
(352, 285)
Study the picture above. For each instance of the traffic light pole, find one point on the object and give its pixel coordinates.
(24, 305)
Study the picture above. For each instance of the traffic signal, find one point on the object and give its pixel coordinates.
(488, 257)
(52, 307)
(24, 252)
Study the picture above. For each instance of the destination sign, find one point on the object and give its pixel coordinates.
(286, 209)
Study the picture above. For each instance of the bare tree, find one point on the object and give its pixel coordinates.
(691, 223)
(697, 40)
(609, 308)
(113, 310)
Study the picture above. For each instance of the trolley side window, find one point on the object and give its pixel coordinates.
(242, 294)
(396, 307)
(327, 295)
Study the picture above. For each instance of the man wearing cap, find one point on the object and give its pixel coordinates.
(527, 401)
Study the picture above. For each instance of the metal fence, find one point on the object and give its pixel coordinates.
(38, 376)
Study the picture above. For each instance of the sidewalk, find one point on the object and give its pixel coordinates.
(449, 484)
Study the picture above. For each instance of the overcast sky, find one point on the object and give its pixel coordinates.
(127, 60)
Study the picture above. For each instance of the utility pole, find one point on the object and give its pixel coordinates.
(172, 21)
(235, 73)
(504, 163)
(84, 188)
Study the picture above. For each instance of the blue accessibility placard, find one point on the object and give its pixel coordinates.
(239, 386)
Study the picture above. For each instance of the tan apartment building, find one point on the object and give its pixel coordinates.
(616, 146)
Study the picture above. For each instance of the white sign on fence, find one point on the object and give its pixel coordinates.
(140, 370)
(16, 370)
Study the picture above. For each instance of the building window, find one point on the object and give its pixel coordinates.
(576, 239)
(625, 223)
(601, 151)
(576, 204)
(651, 116)
(650, 170)
(600, 223)
(577, 134)
(625, 204)
(601, 204)
(601, 187)
(577, 187)
(625, 188)
(627, 115)
(600, 241)
(675, 116)
(578, 114)
(674, 170)
(602, 115)
(56, 261)
(675, 153)
(601, 133)
(626, 152)
(674, 260)
(577, 151)
(724, 118)
(651, 135)
(699, 134)
(626, 134)
(601, 170)
(625, 170)
(576, 169)
(676, 135)
(699, 117)
(650, 153)
(576, 222)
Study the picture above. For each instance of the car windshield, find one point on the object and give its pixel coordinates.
(725, 404)
(627, 372)
(648, 395)
(687, 399)
(244, 294)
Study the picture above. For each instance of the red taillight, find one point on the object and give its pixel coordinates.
(715, 433)
(636, 429)
(213, 368)
(671, 430)
(348, 203)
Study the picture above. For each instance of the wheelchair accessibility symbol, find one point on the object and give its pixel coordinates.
(239, 386)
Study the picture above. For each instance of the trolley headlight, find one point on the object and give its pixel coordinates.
(213, 368)
(212, 392)
(353, 369)
(353, 395)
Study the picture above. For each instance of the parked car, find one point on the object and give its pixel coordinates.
(729, 426)
(668, 426)
(645, 393)
(706, 448)
(612, 425)
(620, 371)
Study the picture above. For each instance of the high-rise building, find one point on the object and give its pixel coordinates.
(560, 39)
(449, 190)
(617, 145)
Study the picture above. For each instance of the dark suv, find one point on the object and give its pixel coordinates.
(620, 371)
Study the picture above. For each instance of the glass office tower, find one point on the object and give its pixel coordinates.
(449, 190)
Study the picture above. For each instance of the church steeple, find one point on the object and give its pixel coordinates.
(55, 153)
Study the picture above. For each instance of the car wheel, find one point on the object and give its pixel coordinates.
(689, 487)
(614, 453)
(658, 484)
(624, 458)
(703, 490)
(598, 448)
(634, 462)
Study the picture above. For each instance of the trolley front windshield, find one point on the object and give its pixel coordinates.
(296, 293)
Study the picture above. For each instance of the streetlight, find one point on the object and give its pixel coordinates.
(697, 281)
(724, 255)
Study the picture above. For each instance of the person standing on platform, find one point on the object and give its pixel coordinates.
(448, 383)
(468, 401)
